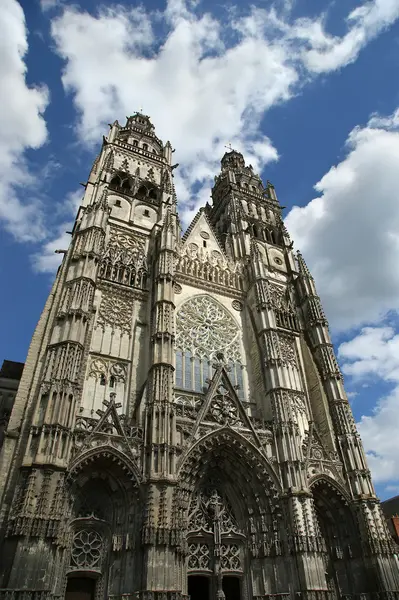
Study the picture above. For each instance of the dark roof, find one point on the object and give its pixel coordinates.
(390, 507)
(11, 369)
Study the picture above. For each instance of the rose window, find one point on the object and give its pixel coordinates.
(206, 333)
(205, 328)
(87, 549)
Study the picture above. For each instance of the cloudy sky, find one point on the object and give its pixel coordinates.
(308, 90)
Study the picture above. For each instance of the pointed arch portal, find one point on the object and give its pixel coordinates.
(216, 545)
(232, 515)
(344, 568)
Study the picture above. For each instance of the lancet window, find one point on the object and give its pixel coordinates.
(206, 335)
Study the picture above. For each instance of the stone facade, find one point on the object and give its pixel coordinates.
(10, 376)
(181, 426)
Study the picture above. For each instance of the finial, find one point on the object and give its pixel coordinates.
(230, 147)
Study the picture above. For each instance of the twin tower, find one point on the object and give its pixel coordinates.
(181, 427)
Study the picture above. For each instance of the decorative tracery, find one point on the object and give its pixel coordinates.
(214, 535)
(206, 332)
(205, 328)
(87, 549)
(124, 261)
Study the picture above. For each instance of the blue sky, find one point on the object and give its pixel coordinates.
(308, 90)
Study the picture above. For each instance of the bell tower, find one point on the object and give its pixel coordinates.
(244, 209)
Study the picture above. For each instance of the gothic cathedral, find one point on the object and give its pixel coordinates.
(181, 428)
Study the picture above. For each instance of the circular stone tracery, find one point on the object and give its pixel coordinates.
(205, 328)
(87, 547)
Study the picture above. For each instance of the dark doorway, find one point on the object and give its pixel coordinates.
(80, 588)
(198, 587)
(231, 587)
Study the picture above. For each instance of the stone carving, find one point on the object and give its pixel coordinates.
(223, 409)
(115, 311)
(198, 557)
(206, 329)
(118, 370)
(125, 166)
(230, 557)
(98, 366)
(101, 366)
(205, 504)
(277, 296)
(298, 403)
(188, 485)
(237, 305)
(188, 406)
(211, 516)
(87, 549)
(177, 288)
(287, 350)
(212, 267)
(124, 260)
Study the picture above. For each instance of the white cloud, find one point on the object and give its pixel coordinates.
(349, 234)
(374, 352)
(46, 260)
(46, 5)
(374, 355)
(201, 89)
(21, 127)
(318, 50)
(200, 93)
(328, 53)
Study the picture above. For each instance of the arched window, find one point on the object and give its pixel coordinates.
(103, 380)
(112, 381)
(135, 143)
(126, 184)
(206, 333)
(153, 194)
(116, 181)
(145, 146)
(142, 192)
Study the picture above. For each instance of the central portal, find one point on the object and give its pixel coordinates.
(198, 587)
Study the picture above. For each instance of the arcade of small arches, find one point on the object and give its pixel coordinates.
(264, 233)
(125, 183)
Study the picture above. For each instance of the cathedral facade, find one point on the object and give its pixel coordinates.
(181, 426)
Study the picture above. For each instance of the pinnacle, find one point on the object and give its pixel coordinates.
(303, 268)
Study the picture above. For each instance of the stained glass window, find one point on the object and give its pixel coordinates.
(205, 331)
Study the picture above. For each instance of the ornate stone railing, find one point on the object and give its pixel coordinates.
(7, 594)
